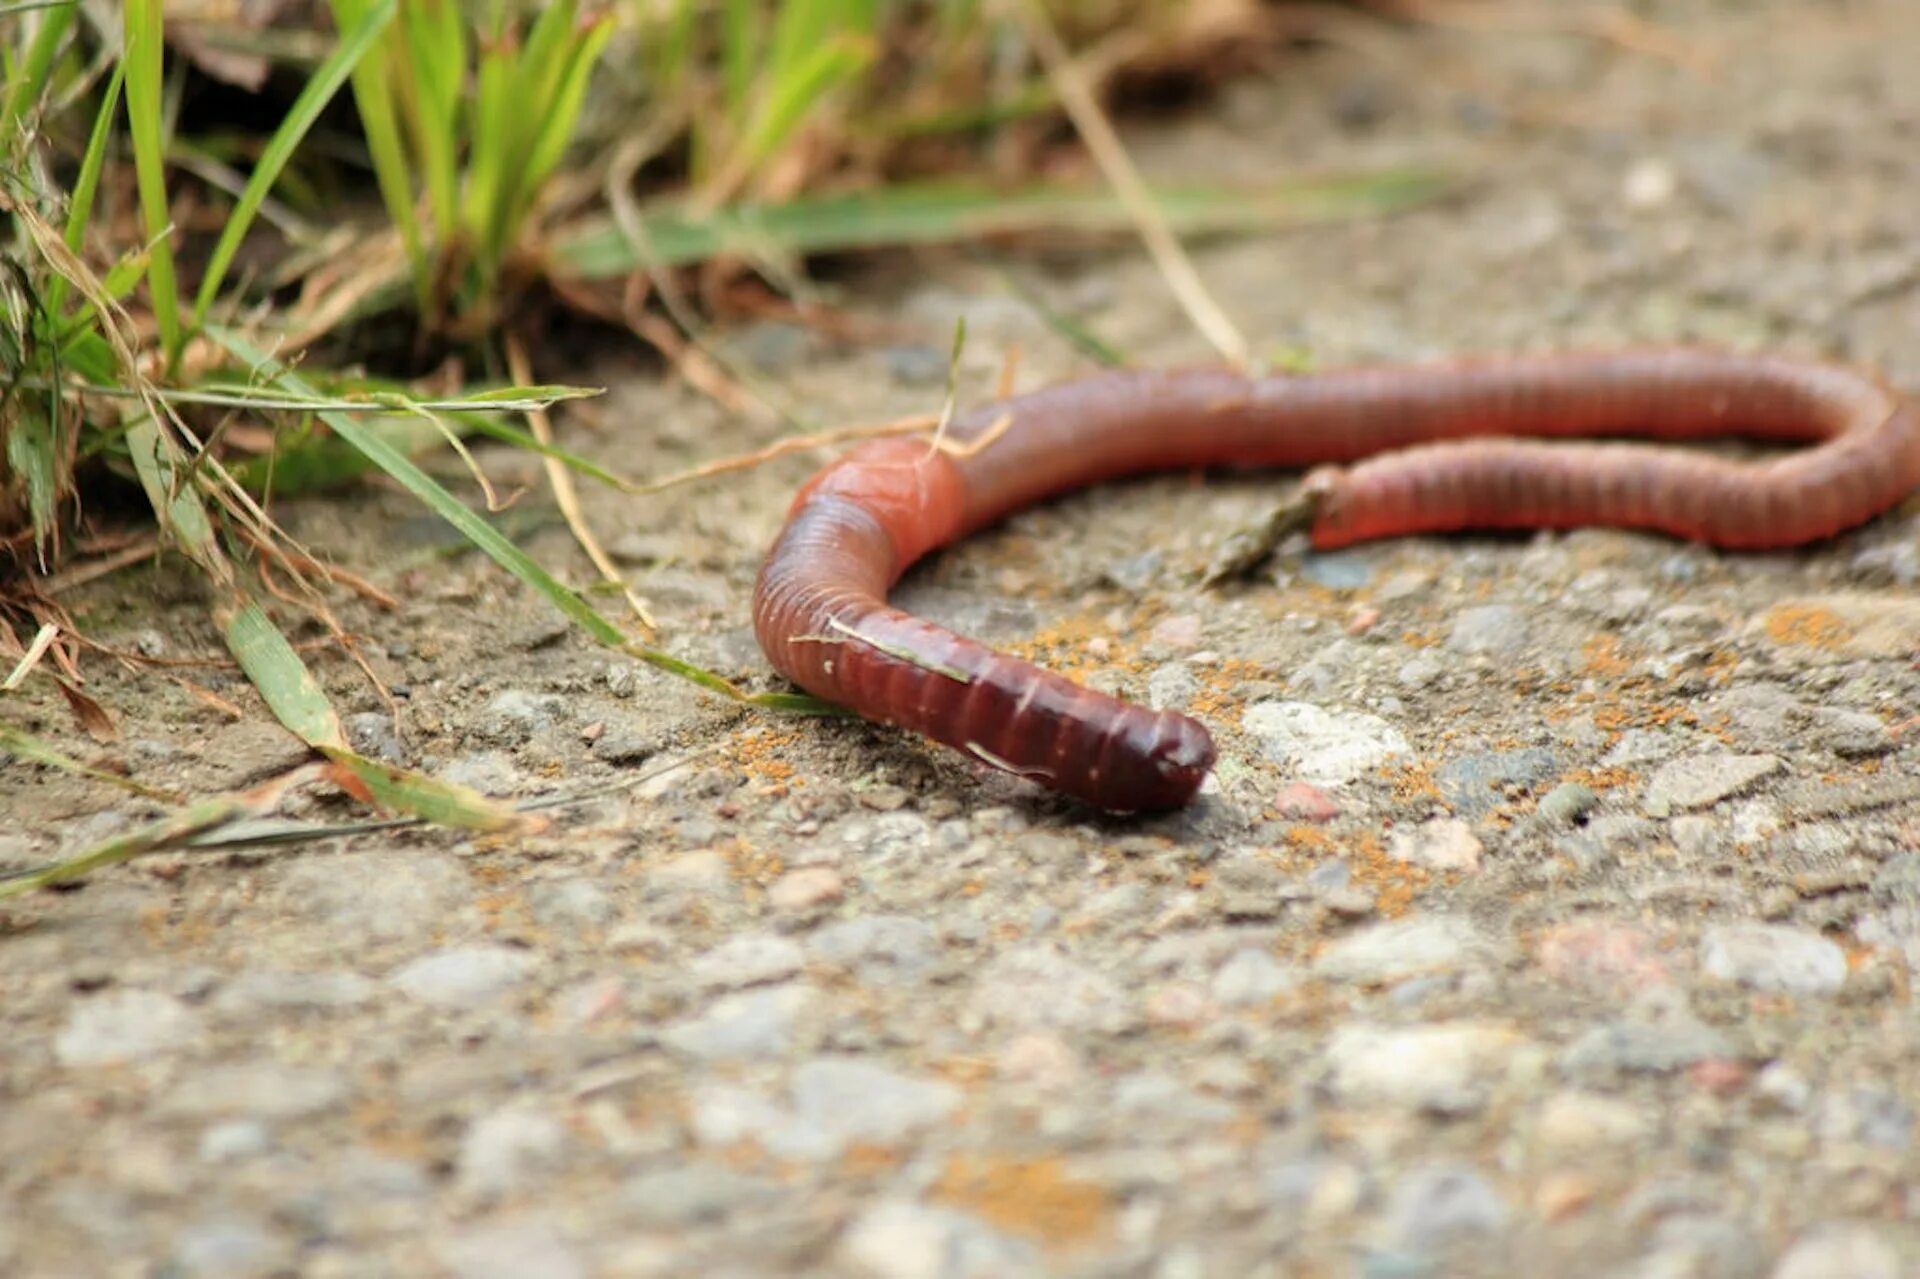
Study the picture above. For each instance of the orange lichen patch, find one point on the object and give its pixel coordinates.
(384, 1131)
(1420, 639)
(1617, 715)
(865, 1160)
(1413, 781)
(1601, 779)
(760, 754)
(1808, 625)
(1079, 645)
(1720, 665)
(1600, 657)
(964, 1071)
(1392, 882)
(1031, 1197)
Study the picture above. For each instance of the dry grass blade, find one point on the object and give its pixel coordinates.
(1098, 133)
(567, 497)
(172, 831)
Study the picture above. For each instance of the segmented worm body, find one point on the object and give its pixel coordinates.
(1431, 448)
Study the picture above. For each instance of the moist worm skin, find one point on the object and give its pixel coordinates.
(1429, 450)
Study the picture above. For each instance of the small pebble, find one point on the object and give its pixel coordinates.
(125, 1026)
(752, 1025)
(1443, 1204)
(752, 959)
(1399, 949)
(1443, 844)
(806, 889)
(1491, 630)
(1773, 958)
(463, 977)
(1697, 781)
(1840, 1250)
(1303, 803)
(1326, 748)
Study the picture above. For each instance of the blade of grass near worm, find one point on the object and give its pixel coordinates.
(283, 680)
(503, 552)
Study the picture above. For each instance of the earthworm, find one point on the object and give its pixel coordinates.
(1431, 448)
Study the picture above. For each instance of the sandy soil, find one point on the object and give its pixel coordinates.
(1554, 911)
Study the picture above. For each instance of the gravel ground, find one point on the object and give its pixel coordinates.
(1553, 911)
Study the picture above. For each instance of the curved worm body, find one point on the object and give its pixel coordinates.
(1431, 449)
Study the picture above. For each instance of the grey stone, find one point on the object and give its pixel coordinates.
(878, 947)
(1336, 570)
(269, 990)
(234, 1141)
(511, 1150)
(1443, 844)
(840, 1101)
(377, 896)
(463, 977)
(513, 715)
(511, 1249)
(692, 1194)
(1252, 976)
(569, 905)
(1658, 1033)
(1036, 986)
(1444, 1068)
(249, 751)
(1867, 1117)
(1171, 686)
(373, 733)
(488, 772)
(1566, 804)
(1773, 958)
(1491, 630)
(749, 1025)
(1135, 573)
(1327, 748)
(125, 1026)
(1440, 1205)
(835, 1103)
(1420, 670)
(227, 1249)
(1849, 734)
(1700, 780)
(1576, 1125)
(900, 1239)
(1403, 948)
(1474, 784)
(262, 1089)
(1839, 1250)
(628, 746)
(1642, 746)
(753, 959)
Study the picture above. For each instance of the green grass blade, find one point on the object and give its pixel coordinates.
(292, 694)
(32, 457)
(562, 114)
(141, 57)
(495, 545)
(819, 71)
(25, 746)
(373, 95)
(437, 499)
(445, 803)
(169, 832)
(87, 184)
(30, 78)
(313, 99)
(946, 212)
